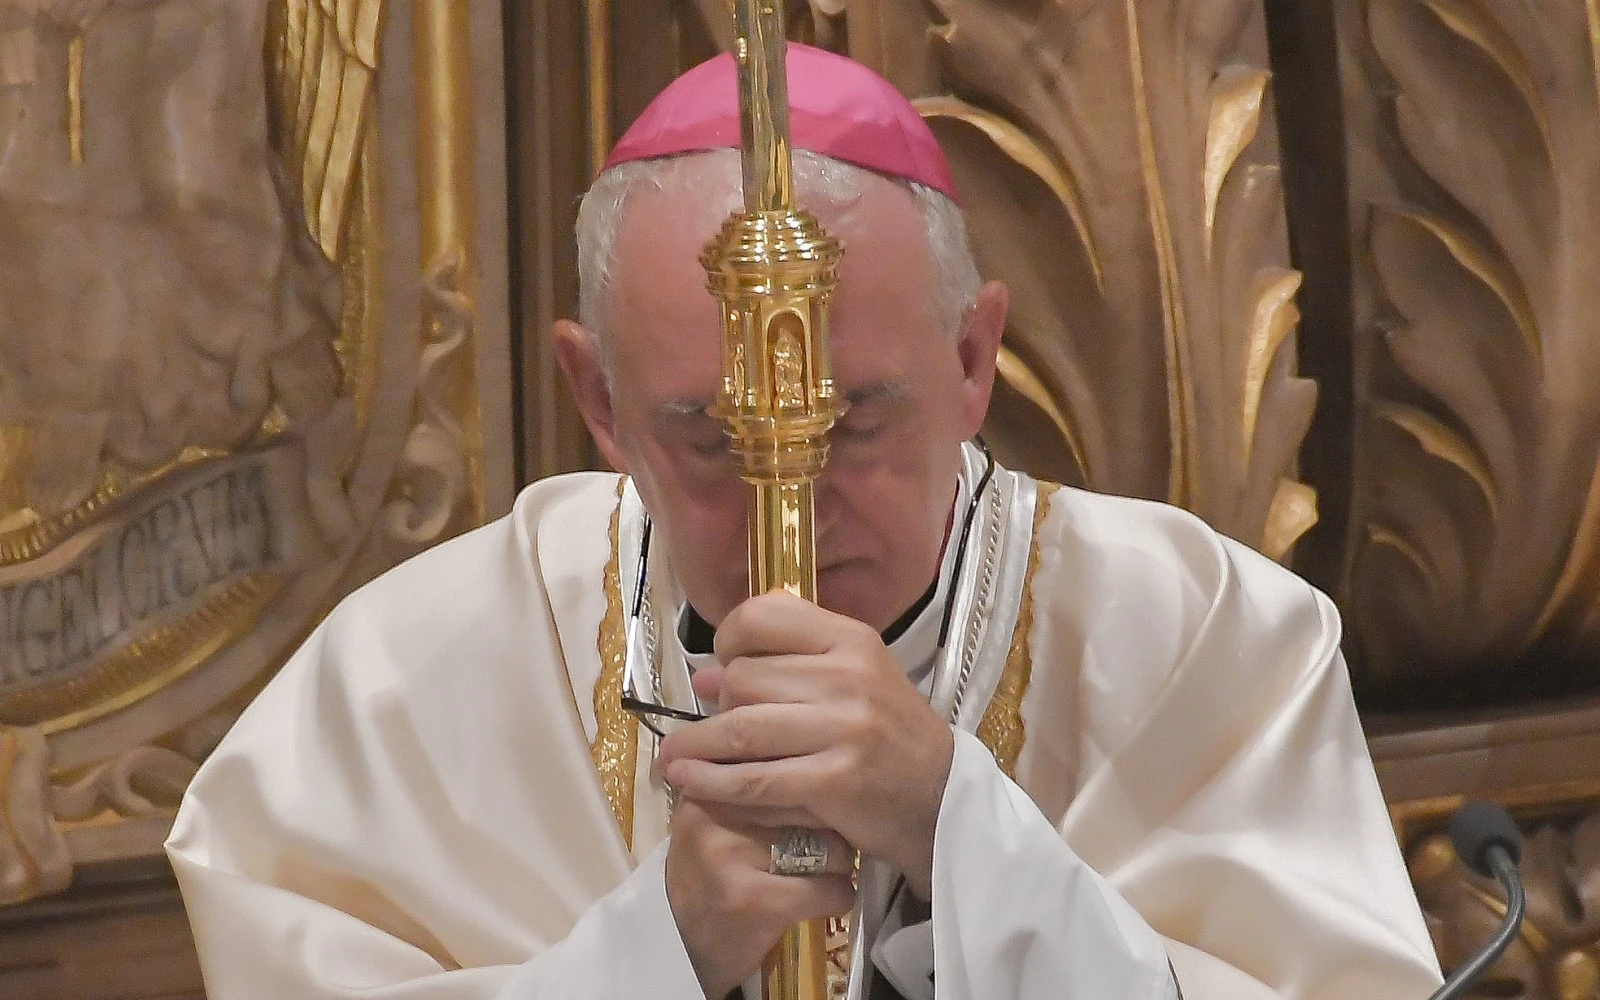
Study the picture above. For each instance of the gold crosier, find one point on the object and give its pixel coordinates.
(773, 269)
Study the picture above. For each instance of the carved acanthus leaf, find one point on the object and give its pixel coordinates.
(1169, 364)
(1478, 486)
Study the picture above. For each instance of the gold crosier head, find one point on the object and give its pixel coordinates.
(773, 270)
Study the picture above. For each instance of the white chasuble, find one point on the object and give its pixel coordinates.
(439, 796)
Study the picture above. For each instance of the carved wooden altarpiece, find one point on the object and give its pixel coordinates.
(251, 354)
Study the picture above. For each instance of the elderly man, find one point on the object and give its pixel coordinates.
(1087, 747)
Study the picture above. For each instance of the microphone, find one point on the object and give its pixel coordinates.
(1487, 841)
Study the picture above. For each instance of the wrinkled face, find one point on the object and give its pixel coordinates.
(915, 392)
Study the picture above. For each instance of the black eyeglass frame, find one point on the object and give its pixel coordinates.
(648, 712)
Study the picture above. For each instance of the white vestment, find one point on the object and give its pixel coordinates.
(439, 797)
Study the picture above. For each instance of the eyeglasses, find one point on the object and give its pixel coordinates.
(641, 686)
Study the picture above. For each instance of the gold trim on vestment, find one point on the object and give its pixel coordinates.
(1002, 730)
(616, 743)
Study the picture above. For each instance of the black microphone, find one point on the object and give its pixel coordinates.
(1487, 841)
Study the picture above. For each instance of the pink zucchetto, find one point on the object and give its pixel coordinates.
(837, 107)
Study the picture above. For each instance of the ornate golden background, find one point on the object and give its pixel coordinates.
(1321, 271)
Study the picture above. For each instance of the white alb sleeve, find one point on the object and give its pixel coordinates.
(626, 946)
(1015, 912)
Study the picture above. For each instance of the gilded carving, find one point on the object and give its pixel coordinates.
(788, 370)
(321, 58)
(434, 469)
(1475, 546)
(214, 418)
(33, 855)
(1557, 954)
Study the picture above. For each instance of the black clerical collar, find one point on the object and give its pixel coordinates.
(699, 638)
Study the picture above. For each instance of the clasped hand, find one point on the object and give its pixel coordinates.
(816, 727)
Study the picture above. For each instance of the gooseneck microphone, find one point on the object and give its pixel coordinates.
(1487, 841)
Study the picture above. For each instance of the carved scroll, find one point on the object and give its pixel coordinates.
(1475, 547)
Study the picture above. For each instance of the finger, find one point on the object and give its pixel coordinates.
(753, 830)
(750, 733)
(810, 897)
(751, 680)
(747, 817)
(749, 842)
(788, 782)
(707, 684)
(778, 622)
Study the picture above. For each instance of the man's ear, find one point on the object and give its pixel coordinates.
(578, 350)
(977, 345)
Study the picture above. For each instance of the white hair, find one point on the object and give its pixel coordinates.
(825, 184)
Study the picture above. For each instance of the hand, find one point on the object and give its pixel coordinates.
(729, 909)
(820, 728)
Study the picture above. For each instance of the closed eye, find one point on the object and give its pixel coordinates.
(710, 448)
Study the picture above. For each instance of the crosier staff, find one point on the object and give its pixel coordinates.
(773, 270)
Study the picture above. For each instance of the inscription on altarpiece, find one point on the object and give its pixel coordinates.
(171, 554)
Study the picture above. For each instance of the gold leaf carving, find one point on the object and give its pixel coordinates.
(1481, 264)
(1580, 574)
(1292, 514)
(1016, 144)
(322, 73)
(1475, 299)
(1443, 443)
(1118, 166)
(1392, 540)
(1274, 318)
(434, 474)
(149, 663)
(1593, 7)
(1471, 21)
(1019, 376)
(1236, 96)
(1556, 953)
(34, 860)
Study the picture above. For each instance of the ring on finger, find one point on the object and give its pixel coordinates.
(800, 852)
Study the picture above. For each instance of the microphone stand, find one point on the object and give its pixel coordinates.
(1504, 867)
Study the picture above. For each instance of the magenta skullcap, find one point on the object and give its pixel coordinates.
(837, 107)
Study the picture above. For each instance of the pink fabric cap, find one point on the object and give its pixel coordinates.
(837, 107)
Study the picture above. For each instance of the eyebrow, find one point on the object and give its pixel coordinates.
(876, 392)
